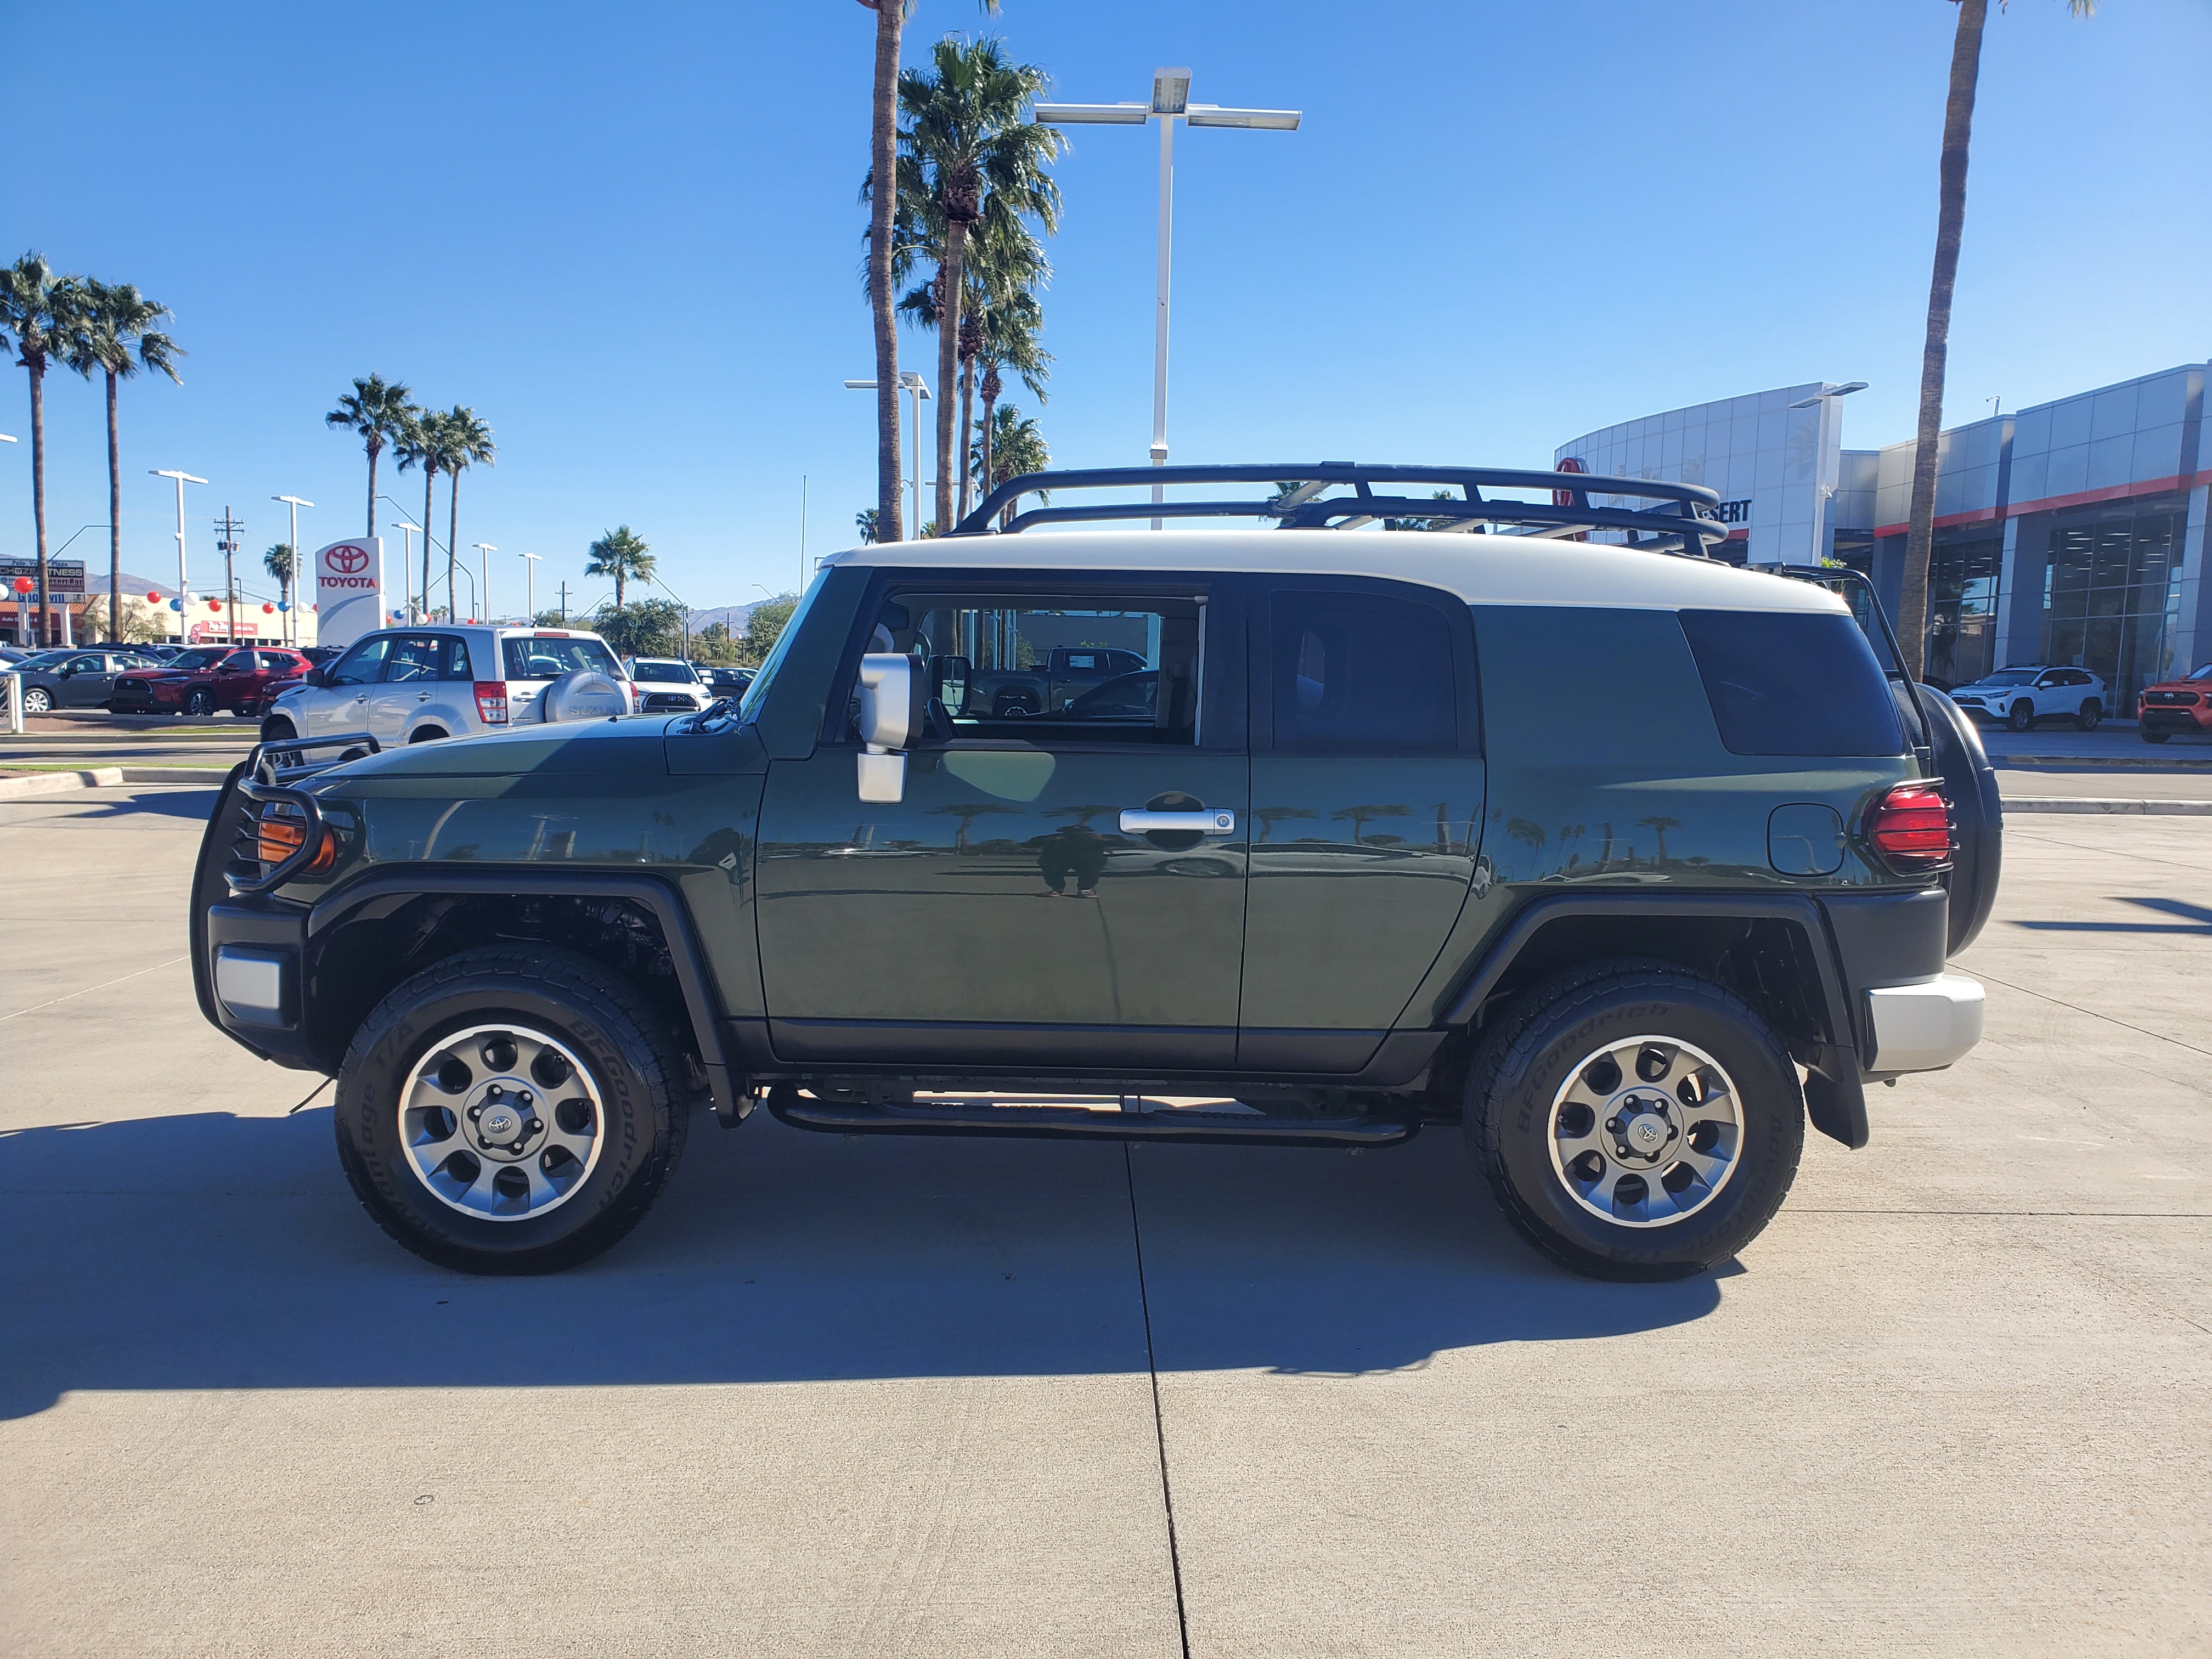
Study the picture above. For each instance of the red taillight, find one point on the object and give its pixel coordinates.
(1909, 828)
(491, 702)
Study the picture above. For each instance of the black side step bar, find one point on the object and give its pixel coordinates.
(1076, 1123)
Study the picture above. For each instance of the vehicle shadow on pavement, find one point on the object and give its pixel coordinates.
(195, 805)
(208, 1251)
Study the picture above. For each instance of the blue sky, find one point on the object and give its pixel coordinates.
(629, 237)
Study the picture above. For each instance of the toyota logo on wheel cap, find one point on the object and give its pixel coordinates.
(348, 560)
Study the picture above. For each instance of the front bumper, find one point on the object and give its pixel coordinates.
(1925, 1026)
(2171, 719)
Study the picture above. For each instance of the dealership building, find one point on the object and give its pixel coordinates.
(2073, 531)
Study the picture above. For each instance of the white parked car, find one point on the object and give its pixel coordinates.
(416, 684)
(2021, 696)
(665, 685)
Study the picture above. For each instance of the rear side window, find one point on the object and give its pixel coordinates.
(456, 660)
(1793, 683)
(1363, 672)
(533, 657)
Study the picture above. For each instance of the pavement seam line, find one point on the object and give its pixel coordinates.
(2093, 1014)
(1159, 1428)
(2081, 846)
(89, 989)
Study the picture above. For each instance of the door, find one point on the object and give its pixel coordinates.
(1367, 791)
(1020, 907)
(84, 680)
(410, 683)
(232, 681)
(340, 706)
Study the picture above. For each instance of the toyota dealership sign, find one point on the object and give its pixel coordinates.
(348, 590)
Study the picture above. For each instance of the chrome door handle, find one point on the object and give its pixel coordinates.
(424, 697)
(1206, 820)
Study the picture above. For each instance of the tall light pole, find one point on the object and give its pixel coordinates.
(291, 587)
(409, 530)
(1170, 103)
(909, 381)
(183, 587)
(529, 584)
(484, 550)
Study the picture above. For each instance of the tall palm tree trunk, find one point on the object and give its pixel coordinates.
(1950, 221)
(948, 366)
(371, 531)
(990, 406)
(967, 426)
(39, 479)
(883, 150)
(114, 518)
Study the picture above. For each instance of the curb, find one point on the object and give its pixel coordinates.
(2106, 804)
(98, 777)
(2124, 762)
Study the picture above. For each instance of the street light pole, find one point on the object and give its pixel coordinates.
(1170, 103)
(909, 381)
(484, 550)
(291, 581)
(182, 478)
(409, 530)
(529, 584)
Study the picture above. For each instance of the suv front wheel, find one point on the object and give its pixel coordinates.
(510, 1111)
(1636, 1121)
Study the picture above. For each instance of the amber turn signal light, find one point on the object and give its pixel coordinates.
(281, 837)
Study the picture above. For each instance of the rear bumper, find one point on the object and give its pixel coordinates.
(1923, 1027)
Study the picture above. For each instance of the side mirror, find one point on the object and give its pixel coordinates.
(314, 677)
(949, 676)
(891, 712)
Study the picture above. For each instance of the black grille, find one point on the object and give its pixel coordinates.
(659, 702)
(2171, 698)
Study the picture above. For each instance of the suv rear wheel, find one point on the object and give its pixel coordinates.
(510, 1111)
(1635, 1120)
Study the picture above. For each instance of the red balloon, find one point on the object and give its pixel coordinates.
(153, 598)
(22, 584)
(214, 604)
(268, 610)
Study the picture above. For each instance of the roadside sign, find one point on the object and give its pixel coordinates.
(349, 589)
(62, 576)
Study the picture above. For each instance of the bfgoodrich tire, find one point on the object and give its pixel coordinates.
(510, 1111)
(1635, 1120)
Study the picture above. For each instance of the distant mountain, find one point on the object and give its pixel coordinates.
(140, 585)
(731, 616)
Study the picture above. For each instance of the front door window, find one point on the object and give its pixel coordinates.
(1008, 888)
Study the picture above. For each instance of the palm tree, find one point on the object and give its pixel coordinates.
(378, 411)
(965, 142)
(38, 312)
(1011, 326)
(117, 318)
(1950, 221)
(1015, 447)
(283, 564)
(423, 443)
(883, 163)
(865, 521)
(625, 555)
(466, 442)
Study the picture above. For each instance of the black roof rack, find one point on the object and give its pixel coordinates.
(1679, 521)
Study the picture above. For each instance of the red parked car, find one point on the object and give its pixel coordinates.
(2172, 706)
(205, 679)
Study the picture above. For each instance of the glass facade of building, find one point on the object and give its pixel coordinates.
(2112, 596)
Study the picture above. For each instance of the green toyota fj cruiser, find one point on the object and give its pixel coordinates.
(1540, 820)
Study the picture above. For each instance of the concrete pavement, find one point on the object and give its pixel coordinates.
(865, 1395)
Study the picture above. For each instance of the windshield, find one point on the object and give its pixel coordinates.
(207, 659)
(654, 668)
(756, 693)
(43, 659)
(549, 656)
(2008, 677)
(2204, 673)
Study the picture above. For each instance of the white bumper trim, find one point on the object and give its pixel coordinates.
(1919, 1028)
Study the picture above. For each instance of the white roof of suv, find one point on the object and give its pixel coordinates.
(1481, 569)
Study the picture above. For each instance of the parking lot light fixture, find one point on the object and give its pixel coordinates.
(529, 584)
(484, 550)
(183, 585)
(1170, 103)
(409, 530)
(292, 581)
(911, 382)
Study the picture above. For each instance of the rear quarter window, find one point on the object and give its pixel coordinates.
(1793, 683)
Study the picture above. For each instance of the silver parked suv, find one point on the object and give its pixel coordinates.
(416, 684)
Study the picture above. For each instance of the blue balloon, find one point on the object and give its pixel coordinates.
(176, 604)
(283, 604)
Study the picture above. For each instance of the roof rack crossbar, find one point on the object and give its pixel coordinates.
(1308, 479)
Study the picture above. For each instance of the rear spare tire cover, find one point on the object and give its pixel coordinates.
(585, 694)
(1972, 785)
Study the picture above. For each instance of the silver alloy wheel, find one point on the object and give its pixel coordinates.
(1646, 1131)
(501, 1123)
(38, 700)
